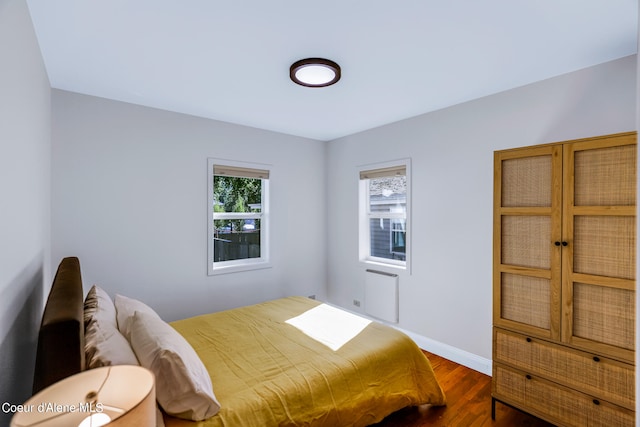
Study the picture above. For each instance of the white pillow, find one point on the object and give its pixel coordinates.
(105, 346)
(99, 306)
(183, 385)
(125, 309)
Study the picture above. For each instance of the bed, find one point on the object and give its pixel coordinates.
(288, 362)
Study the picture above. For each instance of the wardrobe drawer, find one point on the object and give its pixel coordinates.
(556, 403)
(598, 376)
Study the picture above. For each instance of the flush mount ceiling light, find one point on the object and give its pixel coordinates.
(315, 72)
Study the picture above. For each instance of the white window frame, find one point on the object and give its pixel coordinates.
(224, 267)
(394, 227)
(365, 215)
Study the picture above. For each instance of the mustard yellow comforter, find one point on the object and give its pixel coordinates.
(266, 372)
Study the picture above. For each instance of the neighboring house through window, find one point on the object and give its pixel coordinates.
(384, 213)
(238, 206)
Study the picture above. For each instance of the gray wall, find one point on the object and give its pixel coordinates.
(130, 199)
(447, 296)
(24, 199)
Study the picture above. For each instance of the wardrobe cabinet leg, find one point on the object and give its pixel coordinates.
(493, 409)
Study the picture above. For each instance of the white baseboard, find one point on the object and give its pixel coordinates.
(470, 360)
(454, 354)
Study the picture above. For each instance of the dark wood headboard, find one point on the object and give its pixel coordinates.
(61, 337)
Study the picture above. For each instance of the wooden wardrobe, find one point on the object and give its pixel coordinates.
(564, 280)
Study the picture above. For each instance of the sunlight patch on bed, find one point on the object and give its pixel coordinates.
(329, 325)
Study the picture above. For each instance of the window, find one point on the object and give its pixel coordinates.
(238, 216)
(384, 213)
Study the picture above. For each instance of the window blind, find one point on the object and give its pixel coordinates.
(240, 172)
(384, 172)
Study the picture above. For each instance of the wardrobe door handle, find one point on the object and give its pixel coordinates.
(596, 402)
(528, 376)
(564, 243)
(596, 359)
(557, 243)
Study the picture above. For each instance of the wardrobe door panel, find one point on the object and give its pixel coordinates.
(527, 231)
(527, 181)
(525, 241)
(605, 176)
(604, 314)
(599, 260)
(604, 246)
(526, 300)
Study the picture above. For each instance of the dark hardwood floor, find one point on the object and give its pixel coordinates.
(468, 403)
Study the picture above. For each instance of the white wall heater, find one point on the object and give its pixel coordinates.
(381, 295)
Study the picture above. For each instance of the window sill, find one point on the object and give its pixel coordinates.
(372, 263)
(238, 268)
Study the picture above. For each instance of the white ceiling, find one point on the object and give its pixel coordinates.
(229, 60)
